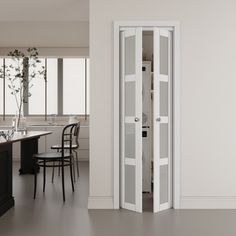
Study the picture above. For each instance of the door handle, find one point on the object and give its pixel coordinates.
(158, 119)
(136, 119)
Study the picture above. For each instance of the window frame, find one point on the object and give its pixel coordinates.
(59, 92)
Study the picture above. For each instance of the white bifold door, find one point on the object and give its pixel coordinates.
(131, 119)
(162, 177)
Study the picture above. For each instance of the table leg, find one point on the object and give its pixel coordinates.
(29, 147)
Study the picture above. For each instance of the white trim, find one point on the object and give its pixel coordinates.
(164, 206)
(164, 119)
(122, 124)
(170, 125)
(138, 98)
(129, 206)
(130, 78)
(176, 88)
(168, 24)
(163, 78)
(116, 125)
(130, 161)
(208, 202)
(164, 33)
(156, 124)
(100, 202)
(164, 161)
(176, 105)
(148, 28)
(129, 119)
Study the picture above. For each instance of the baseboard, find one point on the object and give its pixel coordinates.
(100, 202)
(208, 202)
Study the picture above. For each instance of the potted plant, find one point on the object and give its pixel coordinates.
(20, 74)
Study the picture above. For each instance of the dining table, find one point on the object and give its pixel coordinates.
(29, 147)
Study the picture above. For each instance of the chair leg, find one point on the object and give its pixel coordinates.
(59, 168)
(73, 165)
(63, 182)
(44, 175)
(53, 171)
(71, 174)
(35, 178)
(77, 163)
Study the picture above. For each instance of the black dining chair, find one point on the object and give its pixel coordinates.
(62, 158)
(74, 147)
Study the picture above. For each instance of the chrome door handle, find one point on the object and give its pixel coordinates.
(136, 119)
(158, 119)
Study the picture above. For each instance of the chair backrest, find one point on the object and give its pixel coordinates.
(68, 134)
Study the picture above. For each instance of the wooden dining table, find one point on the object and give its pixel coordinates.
(29, 146)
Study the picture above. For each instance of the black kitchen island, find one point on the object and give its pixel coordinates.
(29, 146)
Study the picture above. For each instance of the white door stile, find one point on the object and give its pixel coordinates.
(159, 119)
(139, 164)
(170, 121)
(122, 125)
(134, 162)
(156, 128)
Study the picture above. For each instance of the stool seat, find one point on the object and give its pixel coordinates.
(51, 155)
(58, 146)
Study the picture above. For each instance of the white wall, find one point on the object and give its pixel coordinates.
(53, 37)
(208, 82)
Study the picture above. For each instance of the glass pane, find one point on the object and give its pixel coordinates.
(129, 98)
(130, 184)
(1, 89)
(130, 55)
(37, 98)
(164, 98)
(163, 140)
(12, 100)
(163, 184)
(52, 86)
(163, 55)
(73, 86)
(130, 140)
(88, 86)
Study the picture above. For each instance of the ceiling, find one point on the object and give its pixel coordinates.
(44, 10)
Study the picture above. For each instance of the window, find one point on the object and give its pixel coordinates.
(73, 86)
(52, 86)
(65, 91)
(11, 105)
(37, 98)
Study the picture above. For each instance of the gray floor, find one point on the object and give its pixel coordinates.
(47, 216)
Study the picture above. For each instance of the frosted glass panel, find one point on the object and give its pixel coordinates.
(129, 98)
(37, 99)
(164, 98)
(130, 184)
(52, 86)
(163, 140)
(1, 89)
(73, 86)
(163, 55)
(130, 55)
(10, 100)
(130, 140)
(163, 184)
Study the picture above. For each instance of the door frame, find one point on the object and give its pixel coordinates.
(176, 88)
